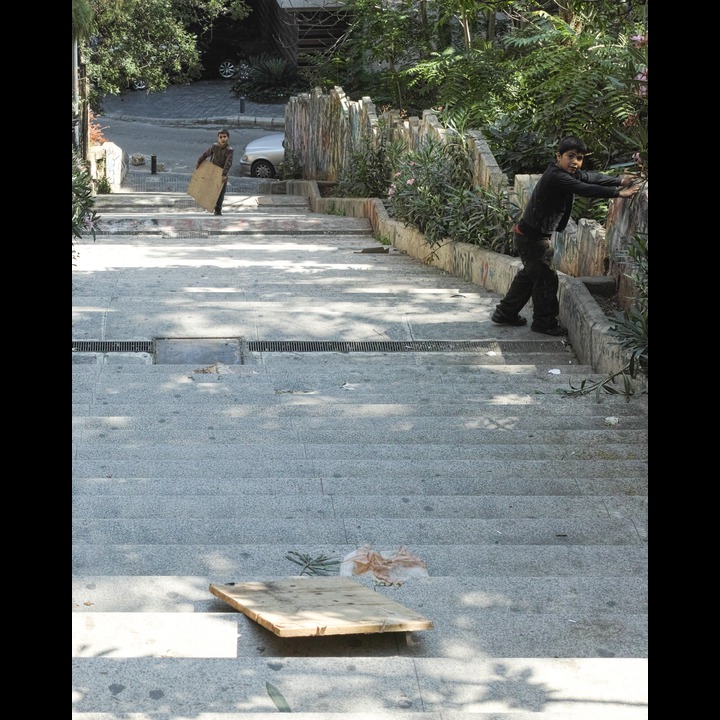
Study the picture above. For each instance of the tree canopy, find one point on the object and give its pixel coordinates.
(525, 72)
(151, 40)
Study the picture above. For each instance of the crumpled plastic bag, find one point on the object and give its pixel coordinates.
(393, 570)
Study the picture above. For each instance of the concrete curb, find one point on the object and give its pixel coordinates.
(237, 121)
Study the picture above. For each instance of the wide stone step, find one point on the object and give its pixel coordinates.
(375, 715)
(574, 530)
(182, 202)
(482, 412)
(379, 386)
(166, 224)
(241, 505)
(539, 478)
(234, 562)
(94, 425)
(361, 688)
(549, 594)
(580, 631)
(167, 182)
(226, 461)
(303, 392)
(177, 215)
(365, 374)
(412, 430)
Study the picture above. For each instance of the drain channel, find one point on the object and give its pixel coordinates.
(404, 346)
(344, 346)
(108, 346)
(347, 346)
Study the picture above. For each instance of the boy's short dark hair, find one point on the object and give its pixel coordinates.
(571, 143)
(223, 131)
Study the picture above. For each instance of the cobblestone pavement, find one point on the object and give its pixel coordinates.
(206, 101)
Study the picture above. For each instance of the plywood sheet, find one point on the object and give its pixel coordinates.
(300, 607)
(205, 185)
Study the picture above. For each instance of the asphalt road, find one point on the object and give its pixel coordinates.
(176, 147)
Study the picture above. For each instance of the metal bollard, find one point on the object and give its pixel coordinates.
(242, 104)
(153, 164)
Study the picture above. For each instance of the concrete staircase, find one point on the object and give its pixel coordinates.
(275, 380)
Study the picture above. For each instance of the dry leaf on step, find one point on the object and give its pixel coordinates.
(393, 570)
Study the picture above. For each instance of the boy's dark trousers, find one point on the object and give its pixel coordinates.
(221, 197)
(537, 280)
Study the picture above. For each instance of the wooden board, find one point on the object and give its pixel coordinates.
(205, 185)
(300, 607)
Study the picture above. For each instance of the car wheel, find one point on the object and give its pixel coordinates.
(227, 69)
(263, 169)
(138, 84)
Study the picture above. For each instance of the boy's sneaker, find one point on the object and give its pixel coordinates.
(556, 331)
(499, 319)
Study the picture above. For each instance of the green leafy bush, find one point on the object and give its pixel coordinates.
(267, 71)
(291, 167)
(368, 170)
(432, 189)
(84, 217)
(270, 79)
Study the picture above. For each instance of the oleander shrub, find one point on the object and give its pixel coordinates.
(84, 217)
(433, 190)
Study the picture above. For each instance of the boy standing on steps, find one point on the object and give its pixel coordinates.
(547, 211)
(220, 154)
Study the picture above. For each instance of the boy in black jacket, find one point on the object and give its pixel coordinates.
(547, 211)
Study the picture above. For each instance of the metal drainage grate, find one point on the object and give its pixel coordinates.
(107, 346)
(403, 346)
(344, 346)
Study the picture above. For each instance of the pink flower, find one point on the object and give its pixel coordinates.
(642, 79)
(89, 222)
(411, 181)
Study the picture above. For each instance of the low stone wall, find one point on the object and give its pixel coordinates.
(325, 129)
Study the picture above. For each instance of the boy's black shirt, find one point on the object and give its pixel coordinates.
(548, 209)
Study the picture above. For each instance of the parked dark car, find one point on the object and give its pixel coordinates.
(226, 48)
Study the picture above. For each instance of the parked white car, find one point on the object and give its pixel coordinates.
(262, 157)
